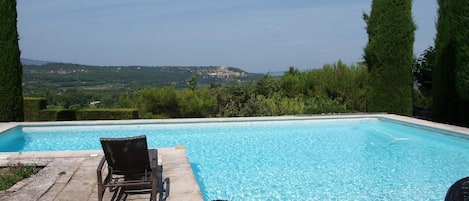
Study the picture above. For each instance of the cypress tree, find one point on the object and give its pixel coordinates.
(461, 38)
(389, 56)
(11, 70)
(451, 73)
(462, 58)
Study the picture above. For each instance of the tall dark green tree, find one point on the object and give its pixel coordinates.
(451, 70)
(389, 56)
(11, 71)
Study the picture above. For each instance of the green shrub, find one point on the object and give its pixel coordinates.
(152, 101)
(107, 114)
(421, 101)
(196, 103)
(12, 174)
(319, 105)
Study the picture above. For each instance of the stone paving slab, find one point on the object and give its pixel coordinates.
(71, 176)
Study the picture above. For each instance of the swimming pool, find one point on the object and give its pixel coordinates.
(290, 159)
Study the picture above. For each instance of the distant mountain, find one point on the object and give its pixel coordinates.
(66, 76)
(34, 62)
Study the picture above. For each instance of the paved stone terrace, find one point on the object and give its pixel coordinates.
(71, 175)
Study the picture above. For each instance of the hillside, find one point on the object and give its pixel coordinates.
(65, 76)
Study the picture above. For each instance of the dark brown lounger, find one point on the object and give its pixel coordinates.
(131, 167)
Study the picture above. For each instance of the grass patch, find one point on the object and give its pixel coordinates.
(12, 174)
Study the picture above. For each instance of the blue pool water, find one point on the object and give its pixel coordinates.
(347, 159)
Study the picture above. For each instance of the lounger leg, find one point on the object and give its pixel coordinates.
(100, 192)
(154, 190)
(161, 189)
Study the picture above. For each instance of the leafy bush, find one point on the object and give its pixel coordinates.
(153, 101)
(334, 88)
(196, 103)
(12, 174)
(319, 105)
(421, 101)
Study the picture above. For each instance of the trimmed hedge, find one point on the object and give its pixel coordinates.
(88, 114)
(57, 115)
(32, 107)
(107, 114)
(35, 110)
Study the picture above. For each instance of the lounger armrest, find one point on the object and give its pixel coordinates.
(153, 155)
(99, 171)
(101, 164)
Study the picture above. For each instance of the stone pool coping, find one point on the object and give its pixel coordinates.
(404, 119)
(50, 185)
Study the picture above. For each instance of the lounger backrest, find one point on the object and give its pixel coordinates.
(459, 190)
(126, 155)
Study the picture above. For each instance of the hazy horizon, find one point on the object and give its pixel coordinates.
(256, 36)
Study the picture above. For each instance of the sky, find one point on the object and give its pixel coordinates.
(258, 36)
